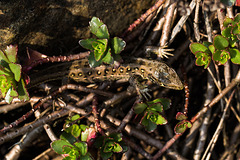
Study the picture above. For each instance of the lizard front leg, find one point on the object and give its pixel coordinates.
(136, 81)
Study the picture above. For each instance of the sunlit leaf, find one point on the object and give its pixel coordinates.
(235, 55)
(58, 146)
(87, 43)
(92, 61)
(198, 47)
(11, 53)
(82, 147)
(220, 42)
(16, 69)
(68, 137)
(182, 126)
(76, 131)
(180, 116)
(117, 45)
(98, 28)
(203, 59)
(221, 56)
(108, 57)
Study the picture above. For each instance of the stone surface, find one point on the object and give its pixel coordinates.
(54, 27)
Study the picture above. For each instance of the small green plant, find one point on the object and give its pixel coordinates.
(183, 124)
(151, 112)
(110, 144)
(223, 47)
(12, 83)
(75, 140)
(104, 49)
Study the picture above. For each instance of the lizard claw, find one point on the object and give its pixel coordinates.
(160, 51)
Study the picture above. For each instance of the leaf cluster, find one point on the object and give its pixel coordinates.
(104, 49)
(11, 81)
(223, 47)
(151, 112)
(110, 144)
(183, 125)
(75, 139)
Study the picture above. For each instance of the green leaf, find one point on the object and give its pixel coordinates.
(157, 107)
(117, 45)
(58, 146)
(236, 30)
(160, 120)
(11, 53)
(100, 47)
(237, 18)
(116, 136)
(196, 47)
(227, 21)
(22, 91)
(166, 102)
(180, 116)
(235, 55)
(87, 43)
(16, 69)
(117, 148)
(211, 48)
(75, 117)
(3, 57)
(203, 59)
(68, 137)
(98, 28)
(227, 32)
(82, 147)
(207, 44)
(76, 131)
(220, 42)
(4, 85)
(92, 61)
(105, 155)
(108, 57)
(221, 56)
(148, 124)
(71, 151)
(86, 157)
(108, 146)
(5, 71)
(11, 93)
(182, 126)
(140, 107)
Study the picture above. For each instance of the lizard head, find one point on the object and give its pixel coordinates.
(165, 76)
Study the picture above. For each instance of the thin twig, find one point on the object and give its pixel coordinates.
(180, 23)
(200, 113)
(218, 130)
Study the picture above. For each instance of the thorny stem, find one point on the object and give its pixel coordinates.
(43, 100)
(234, 82)
(56, 59)
(96, 116)
(186, 90)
